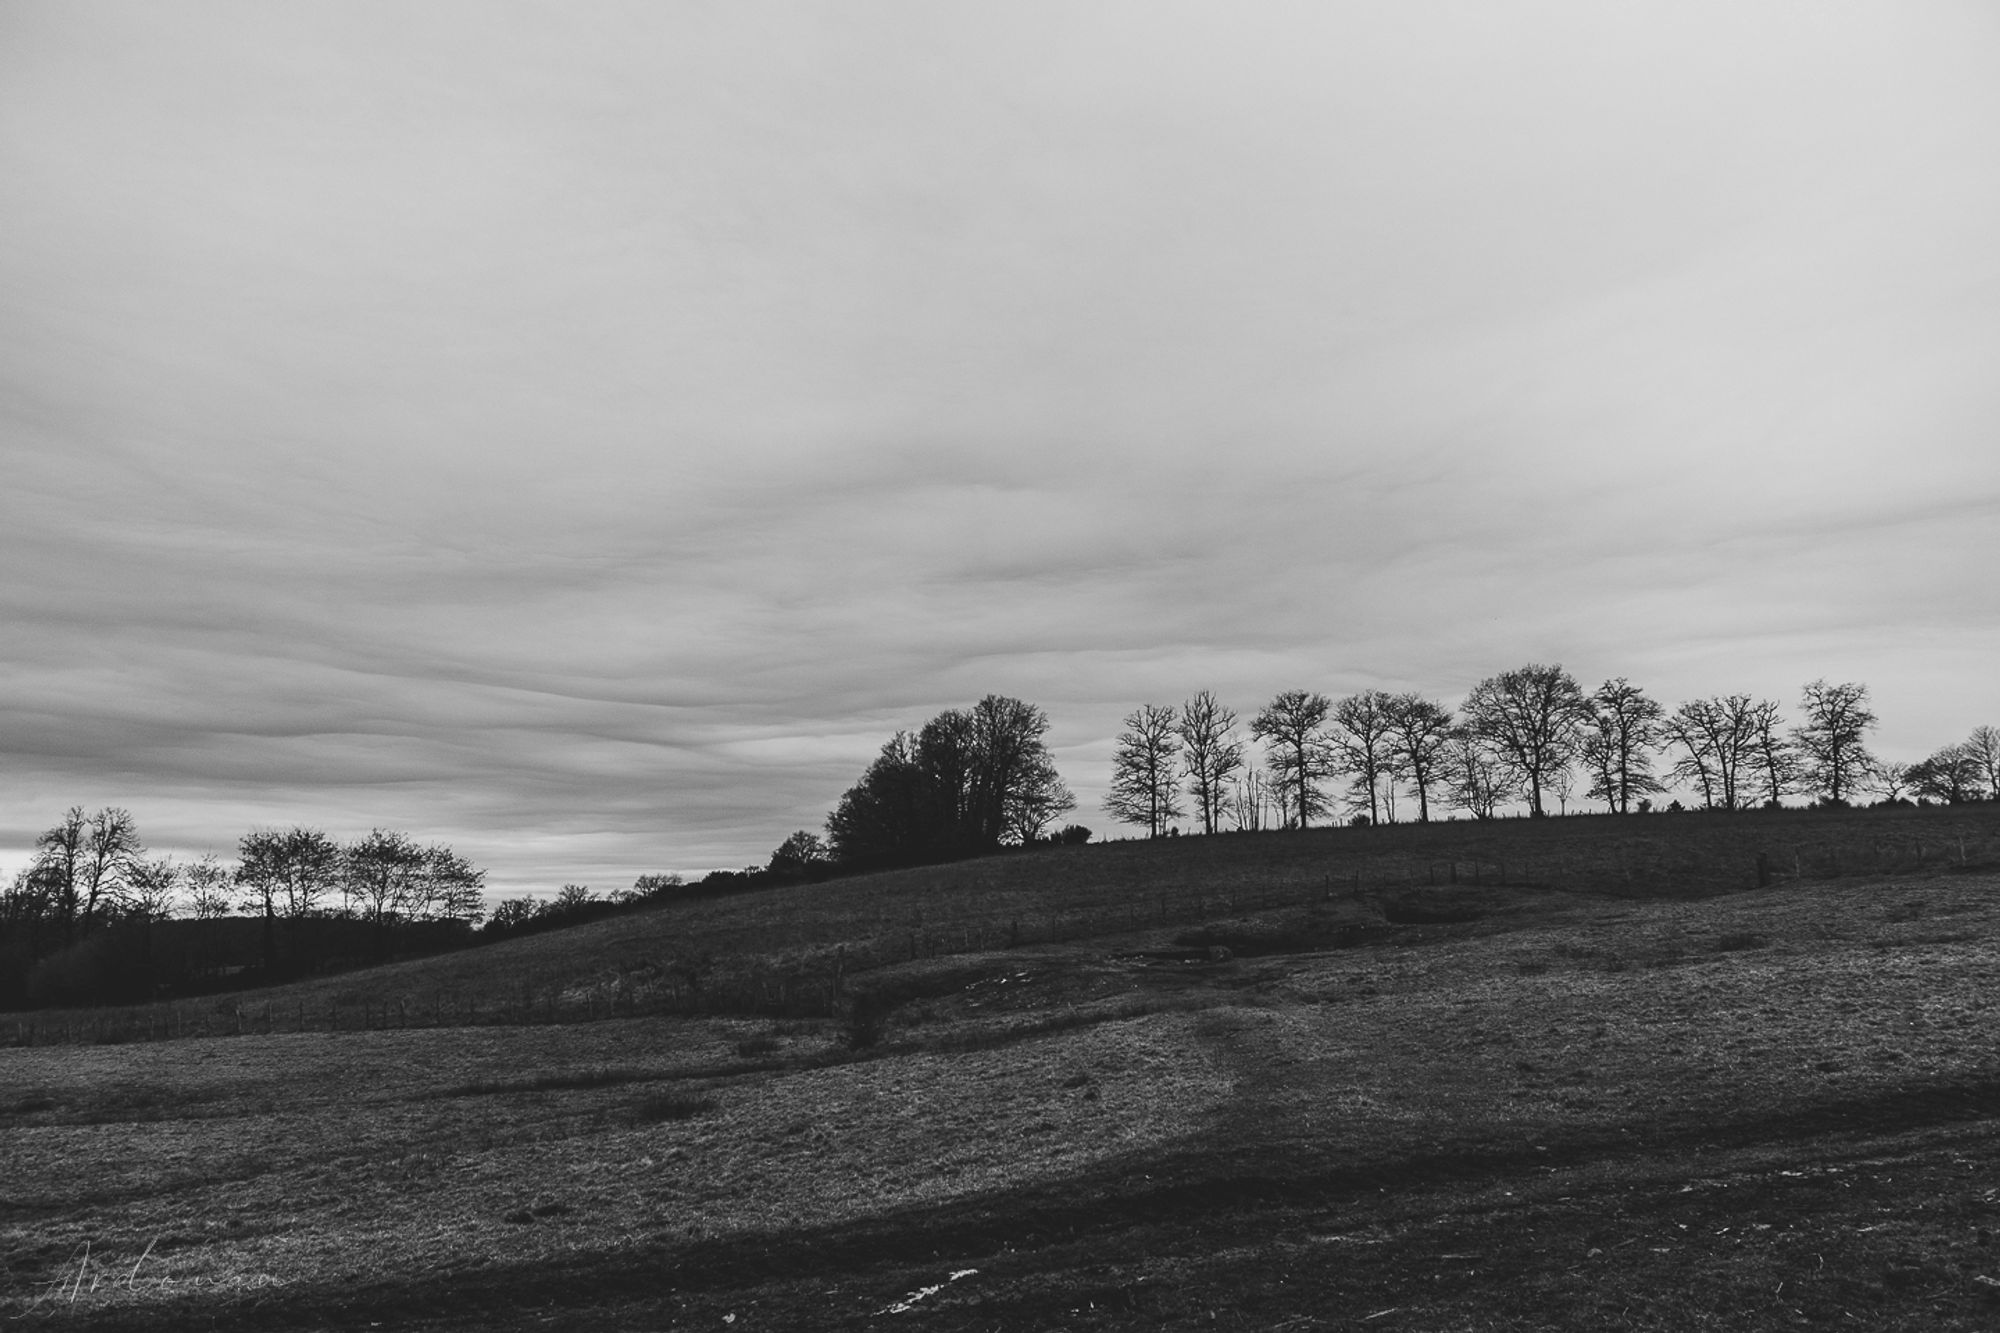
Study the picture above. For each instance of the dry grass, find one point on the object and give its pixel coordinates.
(1111, 1138)
(310, 1162)
(788, 950)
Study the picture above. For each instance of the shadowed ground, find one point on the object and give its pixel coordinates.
(1769, 1110)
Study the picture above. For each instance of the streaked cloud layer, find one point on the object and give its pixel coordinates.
(585, 439)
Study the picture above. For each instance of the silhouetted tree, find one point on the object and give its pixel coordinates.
(1951, 775)
(1717, 738)
(454, 889)
(1038, 800)
(1774, 760)
(1532, 719)
(1890, 779)
(799, 856)
(1419, 734)
(380, 874)
(1300, 754)
(1480, 782)
(58, 868)
(207, 883)
(1618, 745)
(1210, 755)
(287, 872)
(32, 909)
(513, 913)
(81, 865)
(667, 886)
(111, 847)
(970, 781)
(1015, 793)
(1249, 797)
(1832, 738)
(885, 819)
(1146, 771)
(1983, 745)
(1364, 745)
(151, 886)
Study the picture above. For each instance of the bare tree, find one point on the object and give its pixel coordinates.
(1014, 789)
(1038, 799)
(1952, 775)
(1984, 747)
(798, 857)
(207, 882)
(1146, 770)
(1563, 783)
(1363, 736)
(454, 887)
(1890, 779)
(83, 864)
(58, 867)
(33, 905)
(1832, 739)
(1248, 801)
(111, 847)
(1293, 728)
(1419, 735)
(1717, 739)
(387, 877)
(287, 872)
(151, 886)
(1210, 754)
(1532, 718)
(1773, 758)
(571, 898)
(1618, 745)
(1479, 781)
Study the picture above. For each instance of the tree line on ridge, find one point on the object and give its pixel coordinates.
(971, 781)
(1526, 737)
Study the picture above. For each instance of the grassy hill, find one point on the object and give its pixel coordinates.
(795, 951)
(1223, 1086)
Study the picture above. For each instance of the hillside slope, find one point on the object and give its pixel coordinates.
(1763, 1110)
(793, 951)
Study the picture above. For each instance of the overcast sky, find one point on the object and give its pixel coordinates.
(582, 434)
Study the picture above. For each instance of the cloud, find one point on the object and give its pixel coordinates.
(587, 443)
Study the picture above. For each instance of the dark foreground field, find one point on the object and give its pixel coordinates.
(1778, 1108)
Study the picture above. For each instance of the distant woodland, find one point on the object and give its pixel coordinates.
(96, 918)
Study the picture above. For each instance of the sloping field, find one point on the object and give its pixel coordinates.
(1777, 1108)
(792, 952)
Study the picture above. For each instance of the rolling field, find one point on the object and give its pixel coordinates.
(1454, 1106)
